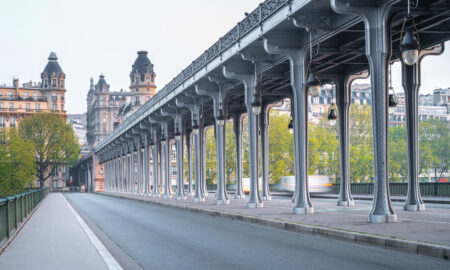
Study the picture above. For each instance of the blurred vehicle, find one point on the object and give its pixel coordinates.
(316, 184)
(246, 185)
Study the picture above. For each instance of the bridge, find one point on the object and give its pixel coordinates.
(284, 49)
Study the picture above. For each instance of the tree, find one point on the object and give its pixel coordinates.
(435, 143)
(52, 139)
(17, 168)
(398, 160)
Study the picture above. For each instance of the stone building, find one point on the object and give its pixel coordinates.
(142, 86)
(102, 108)
(17, 102)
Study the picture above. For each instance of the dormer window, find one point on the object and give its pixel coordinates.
(54, 83)
(45, 83)
(147, 78)
(137, 79)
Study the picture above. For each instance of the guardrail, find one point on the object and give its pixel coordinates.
(426, 189)
(15, 209)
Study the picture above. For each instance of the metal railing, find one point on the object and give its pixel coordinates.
(15, 209)
(426, 189)
(250, 22)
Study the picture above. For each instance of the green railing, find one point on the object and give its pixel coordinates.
(426, 189)
(15, 209)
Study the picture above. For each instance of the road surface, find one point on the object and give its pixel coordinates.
(157, 237)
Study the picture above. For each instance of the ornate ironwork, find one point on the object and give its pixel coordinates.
(253, 20)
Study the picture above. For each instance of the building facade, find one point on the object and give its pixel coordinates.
(102, 108)
(17, 102)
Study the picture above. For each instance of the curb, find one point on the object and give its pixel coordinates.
(420, 248)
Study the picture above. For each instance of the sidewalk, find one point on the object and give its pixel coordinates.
(426, 232)
(52, 238)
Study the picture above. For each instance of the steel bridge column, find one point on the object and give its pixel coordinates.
(180, 165)
(132, 169)
(297, 59)
(155, 174)
(203, 131)
(237, 126)
(189, 160)
(411, 85)
(166, 156)
(249, 79)
(265, 121)
(378, 50)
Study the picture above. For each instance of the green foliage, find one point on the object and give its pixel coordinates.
(52, 139)
(17, 169)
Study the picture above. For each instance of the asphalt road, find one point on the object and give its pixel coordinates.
(157, 237)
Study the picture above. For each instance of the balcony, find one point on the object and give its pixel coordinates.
(25, 110)
(22, 98)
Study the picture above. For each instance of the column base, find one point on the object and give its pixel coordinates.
(155, 195)
(198, 200)
(345, 203)
(167, 196)
(382, 218)
(222, 202)
(303, 210)
(267, 198)
(414, 207)
(251, 205)
(241, 196)
(181, 198)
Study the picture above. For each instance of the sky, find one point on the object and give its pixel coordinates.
(99, 36)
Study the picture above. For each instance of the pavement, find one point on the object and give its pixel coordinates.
(55, 238)
(426, 232)
(159, 237)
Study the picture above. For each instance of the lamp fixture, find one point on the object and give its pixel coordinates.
(410, 44)
(291, 126)
(256, 104)
(195, 126)
(220, 118)
(313, 79)
(332, 116)
(391, 100)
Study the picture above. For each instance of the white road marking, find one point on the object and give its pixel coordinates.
(104, 253)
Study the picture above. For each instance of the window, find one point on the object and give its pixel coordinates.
(25, 95)
(9, 95)
(174, 170)
(2, 121)
(61, 83)
(28, 106)
(54, 107)
(38, 106)
(54, 97)
(54, 82)
(62, 107)
(148, 89)
(12, 122)
(1, 105)
(137, 79)
(45, 83)
(35, 96)
(11, 105)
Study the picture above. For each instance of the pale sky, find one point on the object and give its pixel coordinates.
(100, 36)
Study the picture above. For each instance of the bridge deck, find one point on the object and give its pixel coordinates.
(431, 226)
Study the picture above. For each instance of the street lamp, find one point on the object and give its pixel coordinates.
(409, 45)
(313, 84)
(220, 118)
(256, 104)
(195, 126)
(291, 126)
(392, 104)
(177, 135)
(332, 114)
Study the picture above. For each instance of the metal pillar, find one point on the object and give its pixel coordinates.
(264, 122)
(203, 131)
(378, 50)
(166, 155)
(155, 174)
(146, 165)
(132, 170)
(246, 74)
(297, 58)
(180, 166)
(237, 126)
(411, 76)
(138, 180)
(411, 85)
(189, 160)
